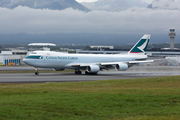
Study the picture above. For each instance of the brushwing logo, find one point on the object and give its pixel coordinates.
(140, 47)
(143, 46)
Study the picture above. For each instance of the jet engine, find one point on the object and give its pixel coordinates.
(92, 68)
(58, 69)
(122, 67)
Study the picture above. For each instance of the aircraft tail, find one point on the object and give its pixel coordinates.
(141, 45)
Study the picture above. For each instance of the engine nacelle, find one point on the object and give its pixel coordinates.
(121, 67)
(58, 69)
(93, 69)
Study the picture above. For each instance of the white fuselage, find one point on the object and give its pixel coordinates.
(60, 60)
(93, 63)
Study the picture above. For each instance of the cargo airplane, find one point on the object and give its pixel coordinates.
(91, 63)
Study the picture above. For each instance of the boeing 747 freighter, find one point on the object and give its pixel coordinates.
(91, 63)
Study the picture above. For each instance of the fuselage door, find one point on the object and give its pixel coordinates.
(43, 58)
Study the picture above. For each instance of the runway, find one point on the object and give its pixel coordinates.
(134, 72)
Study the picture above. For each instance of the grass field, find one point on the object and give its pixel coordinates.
(139, 99)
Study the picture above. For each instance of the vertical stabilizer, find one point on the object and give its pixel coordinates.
(141, 45)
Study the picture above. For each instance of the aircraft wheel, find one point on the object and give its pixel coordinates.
(94, 74)
(78, 72)
(36, 73)
(87, 73)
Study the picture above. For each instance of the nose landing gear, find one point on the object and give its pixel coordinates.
(36, 71)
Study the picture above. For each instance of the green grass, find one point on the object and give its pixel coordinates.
(140, 99)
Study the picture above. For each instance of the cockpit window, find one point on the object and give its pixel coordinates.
(34, 57)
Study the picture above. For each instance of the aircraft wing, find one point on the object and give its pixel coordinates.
(145, 61)
(128, 62)
(79, 65)
(108, 63)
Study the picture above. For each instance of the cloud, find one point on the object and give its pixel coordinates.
(147, 1)
(131, 21)
(86, 1)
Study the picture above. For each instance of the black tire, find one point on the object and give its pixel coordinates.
(78, 72)
(36, 73)
(86, 72)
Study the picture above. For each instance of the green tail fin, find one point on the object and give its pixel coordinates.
(141, 45)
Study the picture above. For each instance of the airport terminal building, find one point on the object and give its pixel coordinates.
(8, 58)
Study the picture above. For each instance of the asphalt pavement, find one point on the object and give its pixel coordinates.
(134, 72)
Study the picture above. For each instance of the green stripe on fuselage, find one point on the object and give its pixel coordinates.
(34, 57)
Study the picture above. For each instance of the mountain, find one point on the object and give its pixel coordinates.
(43, 4)
(114, 5)
(165, 4)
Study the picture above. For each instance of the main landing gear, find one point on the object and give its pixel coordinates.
(78, 72)
(36, 71)
(87, 73)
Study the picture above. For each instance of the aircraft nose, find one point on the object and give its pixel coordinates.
(25, 60)
(28, 61)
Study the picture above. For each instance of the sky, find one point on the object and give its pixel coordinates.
(131, 22)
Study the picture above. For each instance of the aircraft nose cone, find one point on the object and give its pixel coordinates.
(28, 61)
(25, 60)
